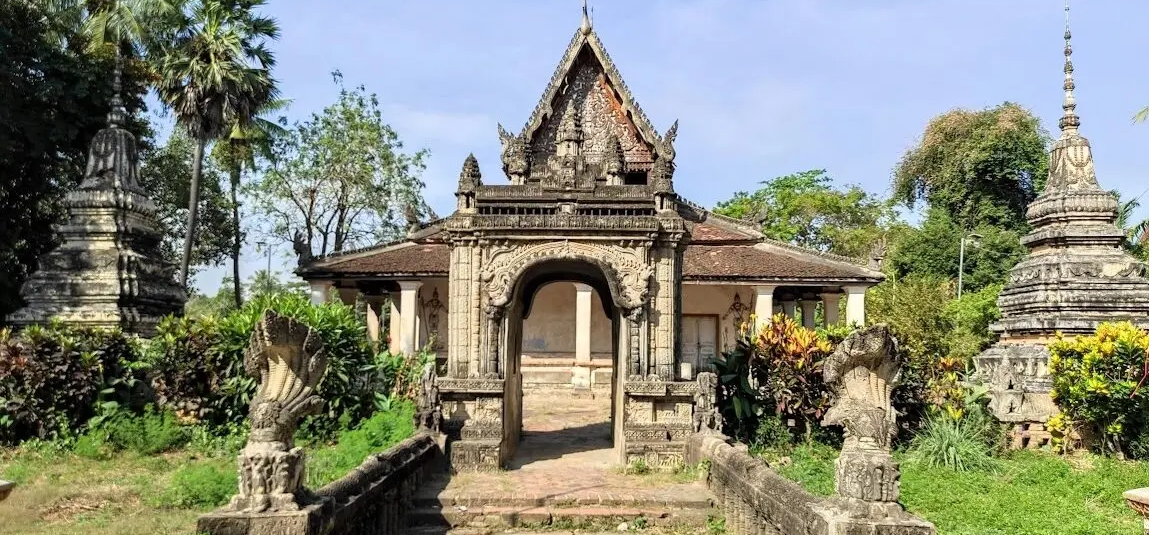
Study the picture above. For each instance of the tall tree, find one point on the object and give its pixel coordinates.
(340, 178)
(164, 175)
(934, 250)
(244, 142)
(805, 209)
(216, 73)
(55, 93)
(979, 167)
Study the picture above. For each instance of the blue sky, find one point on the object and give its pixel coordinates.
(761, 87)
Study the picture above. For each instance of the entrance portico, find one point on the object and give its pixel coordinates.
(584, 269)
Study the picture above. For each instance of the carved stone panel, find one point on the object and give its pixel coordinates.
(588, 88)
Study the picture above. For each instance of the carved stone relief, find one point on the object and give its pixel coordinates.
(732, 321)
(433, 310)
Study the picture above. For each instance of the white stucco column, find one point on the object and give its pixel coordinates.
(856, 305)
(319, 290)
(581, 371)
(408, 310)
(763, 306)
(830, 307)
(395, 326)
(790, 308)
(809, 309)
(374, 319)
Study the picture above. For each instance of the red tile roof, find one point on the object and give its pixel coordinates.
(426, 258)
(750, 262)
(707, 232)
(700, 262)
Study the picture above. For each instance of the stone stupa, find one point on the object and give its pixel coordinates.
(108, 272)
(1076, 276)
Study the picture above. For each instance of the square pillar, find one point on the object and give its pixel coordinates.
(790, 308)
(348, 296)
(830, 302)
(856, 305)
(408, 311)
(319, 291)
(374, 319)
(809, 309)
(395, 326)
(763, 306)
(582, 370)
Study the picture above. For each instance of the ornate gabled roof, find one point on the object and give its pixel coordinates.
(585, 38)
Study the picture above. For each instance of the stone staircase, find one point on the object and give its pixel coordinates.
(438, 512)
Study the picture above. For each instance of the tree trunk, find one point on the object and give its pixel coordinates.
(193, 209)
(235, 245)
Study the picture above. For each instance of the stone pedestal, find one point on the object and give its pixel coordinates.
(6, 489)
(1138, 500)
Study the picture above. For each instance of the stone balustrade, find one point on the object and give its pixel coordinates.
(756, 500)
(1138, 500)
(370, 500)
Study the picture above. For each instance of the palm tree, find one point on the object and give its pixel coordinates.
(245, 141)
(1136, 234)
(215, 74)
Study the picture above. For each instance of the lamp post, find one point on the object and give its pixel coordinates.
(961, 258)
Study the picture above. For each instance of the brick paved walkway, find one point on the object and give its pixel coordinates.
(565, 459)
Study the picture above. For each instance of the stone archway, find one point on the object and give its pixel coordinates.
(524, 289)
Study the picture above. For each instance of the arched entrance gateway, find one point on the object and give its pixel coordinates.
(587, 210)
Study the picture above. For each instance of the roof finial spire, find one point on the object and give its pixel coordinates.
(118, 115)
(585, 19)
(1069, 120)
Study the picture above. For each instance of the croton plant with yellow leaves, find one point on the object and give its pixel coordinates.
(1101, 384)
(777, 369)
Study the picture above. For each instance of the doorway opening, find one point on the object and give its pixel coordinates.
(561, 367)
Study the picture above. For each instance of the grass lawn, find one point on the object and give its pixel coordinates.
(62, 493)
(1034, 493)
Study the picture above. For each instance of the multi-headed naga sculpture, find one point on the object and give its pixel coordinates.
(288, 359)
(862, 372)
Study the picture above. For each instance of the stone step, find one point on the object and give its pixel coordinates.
(445, 499)
(584, 516)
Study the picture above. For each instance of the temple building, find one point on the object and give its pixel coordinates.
(582, 266)
(1076, 276)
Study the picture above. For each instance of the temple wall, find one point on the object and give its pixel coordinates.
(729, 305)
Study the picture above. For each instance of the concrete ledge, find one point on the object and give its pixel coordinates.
(755, 499)
(370, 500)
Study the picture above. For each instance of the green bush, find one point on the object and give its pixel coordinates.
(147, 434)
(54, 378)
(1099, 383)
(349, 385)
(776, 372)
(771, 433)
(971, 316)
(374, 435)
(201, 486)
(185, 373)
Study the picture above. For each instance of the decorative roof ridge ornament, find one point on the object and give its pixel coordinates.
(585, 35)
(585, 27)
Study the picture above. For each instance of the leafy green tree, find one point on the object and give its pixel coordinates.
(164, 175)
(981, 168)
(934, 250)
(55, 93)
(1136, 232)
(340, 179)
(216, 73)
(805, 209)
(236, 152)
